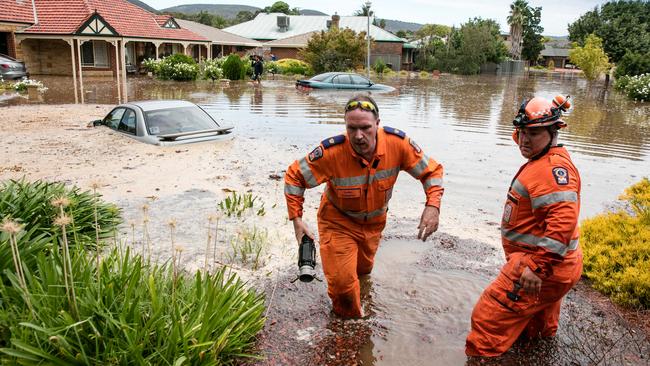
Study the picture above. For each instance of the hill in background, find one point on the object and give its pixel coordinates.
(143, 6)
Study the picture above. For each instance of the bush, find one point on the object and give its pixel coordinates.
(379, 66)
(293, 66)
(234, 68)
(635, 87)
(617, 249)
(21, 86)
(151, 65)
(177, 67)
(131, 313)
(211, 70)
(633, 64)
(335, 50)
(551, 65)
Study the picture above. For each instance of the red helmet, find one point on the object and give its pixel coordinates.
(539, 112)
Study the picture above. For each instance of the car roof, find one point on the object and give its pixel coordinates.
(152, 105)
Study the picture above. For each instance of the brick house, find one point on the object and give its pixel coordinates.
(98, 37)
(284, 35)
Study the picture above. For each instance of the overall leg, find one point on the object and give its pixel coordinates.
(339, 252)
(368, 248)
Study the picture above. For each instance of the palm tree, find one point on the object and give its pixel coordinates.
(364, 11)
(516, 20)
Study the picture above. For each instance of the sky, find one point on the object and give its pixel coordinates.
(556, 14)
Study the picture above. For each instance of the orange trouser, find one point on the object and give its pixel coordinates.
(347, 250)
(497, 320)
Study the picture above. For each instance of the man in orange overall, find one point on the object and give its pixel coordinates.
(360, 169)
(539, 232)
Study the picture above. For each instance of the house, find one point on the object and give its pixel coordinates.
(98, 37)
(556, 49)
(284, 35)
(223, 43)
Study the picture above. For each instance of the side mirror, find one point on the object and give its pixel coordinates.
(97, 122)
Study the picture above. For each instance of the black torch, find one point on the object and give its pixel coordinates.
(306, 260)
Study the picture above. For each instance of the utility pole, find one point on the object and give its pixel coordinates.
(368, 3)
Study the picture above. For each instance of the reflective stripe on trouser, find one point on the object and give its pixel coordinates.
(347, 250)
(497, 320)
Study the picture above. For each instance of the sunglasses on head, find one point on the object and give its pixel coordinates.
(363, 104)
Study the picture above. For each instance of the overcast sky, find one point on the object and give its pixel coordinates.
(556, 14)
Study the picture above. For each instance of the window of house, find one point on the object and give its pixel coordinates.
(127, 124)
(94, 54)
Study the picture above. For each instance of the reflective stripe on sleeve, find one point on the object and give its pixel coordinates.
(551, 244)
(432, 182)
(307, 174)
(296, 191)
(519, 188)
(555, 197)
(418, 169)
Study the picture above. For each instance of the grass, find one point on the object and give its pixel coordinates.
(616, 249)
(68, 307)
(236, 204)
(248, 247)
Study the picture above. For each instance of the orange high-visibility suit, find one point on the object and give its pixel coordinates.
(353, 207)
(539, 229)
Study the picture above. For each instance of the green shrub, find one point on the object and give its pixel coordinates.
(379, 66)
(633, 64)
(211, 70)
(292, 66)
(248, 246)
(272, 67)
(237, 204)
(151, 65)
(132, 313)
(617, 249)
(635, 87)
(178, 67)
(234, 68)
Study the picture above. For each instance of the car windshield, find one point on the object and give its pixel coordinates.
(177, 120)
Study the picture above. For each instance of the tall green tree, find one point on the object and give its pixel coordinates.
(335, 50)
(516, 21)
(622, 25)
(591, 57)
(364, 11)
(533, 39)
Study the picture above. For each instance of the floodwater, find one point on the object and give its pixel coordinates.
(420, 295)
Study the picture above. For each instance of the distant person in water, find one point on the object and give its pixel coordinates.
(258, 68)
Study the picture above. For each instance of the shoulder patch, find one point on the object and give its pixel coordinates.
(316, 154)
(336, 140)
(415, 146)
(561, 176)
(395, 131)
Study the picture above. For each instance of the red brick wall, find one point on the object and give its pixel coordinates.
(281, 53)
(52, 57)
(11, 44)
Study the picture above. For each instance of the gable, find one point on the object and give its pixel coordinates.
(96, 25)
(171, 24)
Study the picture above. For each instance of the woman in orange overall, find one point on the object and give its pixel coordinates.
(539, 233)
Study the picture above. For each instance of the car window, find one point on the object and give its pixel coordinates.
(177, 120)
(321, 77)
(112, 120)
(127, 124)
(342, 79)
(359, 80)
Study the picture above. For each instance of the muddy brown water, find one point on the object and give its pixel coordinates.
(420, 295)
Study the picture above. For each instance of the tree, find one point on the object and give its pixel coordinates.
(633, 64)
(533, 39)
(281, 7)
(335, 50)
(364, 11)
(244, 16)
(622, 25)
(591, 58)
(516, 21)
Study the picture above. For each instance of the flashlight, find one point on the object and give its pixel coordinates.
(306, 260)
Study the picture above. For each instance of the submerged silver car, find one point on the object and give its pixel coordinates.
(11, 69)
(165, 122)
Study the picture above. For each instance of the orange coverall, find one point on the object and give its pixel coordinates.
(353, 207)
(539, 229)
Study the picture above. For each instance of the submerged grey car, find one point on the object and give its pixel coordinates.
(165, 122)
(11, 69)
